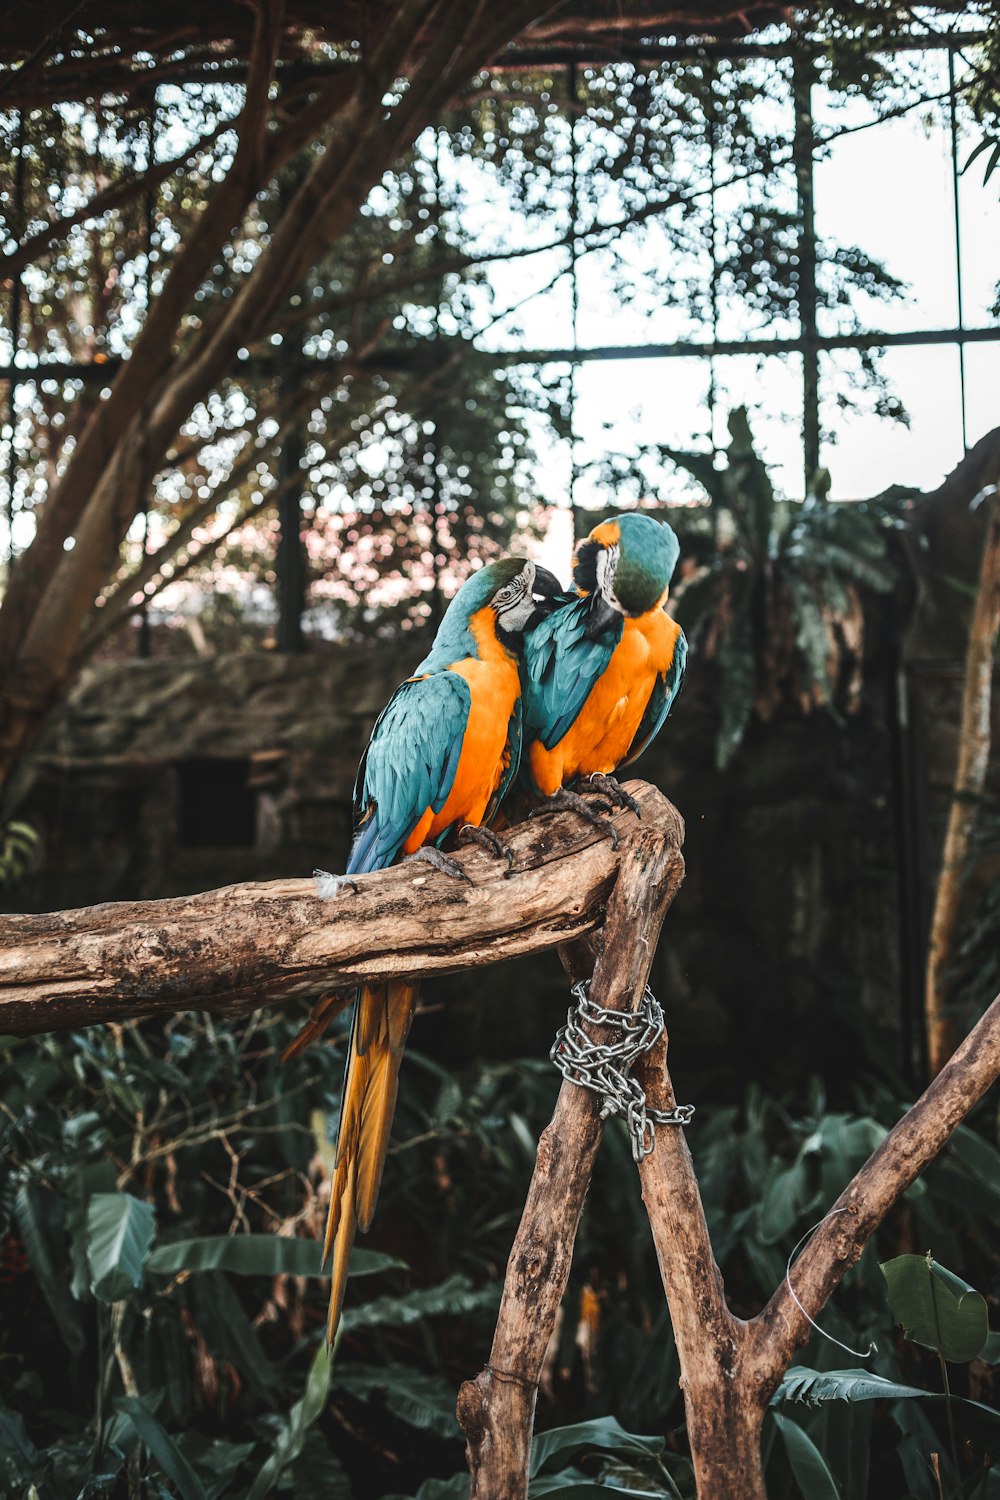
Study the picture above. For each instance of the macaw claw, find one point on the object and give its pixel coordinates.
(611, 787)
(443, 862)
(486, 839)
(566, 801)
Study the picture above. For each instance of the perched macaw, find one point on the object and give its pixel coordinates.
(602, 671)
(441, 756)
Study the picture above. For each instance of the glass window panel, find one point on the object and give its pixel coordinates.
(871, 453)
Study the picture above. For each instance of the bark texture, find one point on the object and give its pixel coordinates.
(496, 1409)
(970, 780)
(245, 946)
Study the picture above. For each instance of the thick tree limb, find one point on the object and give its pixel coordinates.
(245, 946)
(496, 1409)
(970, 779)
(730, 1368)
(908, 1148)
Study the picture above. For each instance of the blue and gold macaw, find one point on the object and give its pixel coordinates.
(441, 757)
(602, 671)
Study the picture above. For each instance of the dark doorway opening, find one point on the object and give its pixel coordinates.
(217, 806)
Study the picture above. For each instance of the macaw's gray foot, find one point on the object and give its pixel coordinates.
(448, 866)
(610, 786)
(594, 813)
(328, 885)
(469, 834)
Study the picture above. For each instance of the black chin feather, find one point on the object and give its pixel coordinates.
(585, 567)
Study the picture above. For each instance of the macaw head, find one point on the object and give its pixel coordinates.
(625, 567)
(519, 592)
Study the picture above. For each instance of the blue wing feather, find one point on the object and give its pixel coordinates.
(560, 667)
(661, 701)
(410, 764)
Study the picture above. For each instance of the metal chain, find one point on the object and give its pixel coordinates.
(603, 1066)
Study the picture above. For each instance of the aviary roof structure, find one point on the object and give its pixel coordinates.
(62, 50)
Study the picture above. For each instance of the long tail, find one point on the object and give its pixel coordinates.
(381, 1023)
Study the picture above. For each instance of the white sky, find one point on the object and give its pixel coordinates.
(888, 190)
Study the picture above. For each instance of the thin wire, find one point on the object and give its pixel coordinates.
(571, 92)
(953, 111)
(857, 1353)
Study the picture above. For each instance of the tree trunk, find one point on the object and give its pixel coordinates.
(496, 1410)
(970, 780)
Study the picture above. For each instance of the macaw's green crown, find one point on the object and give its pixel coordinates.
(519, 593)
(631, 559)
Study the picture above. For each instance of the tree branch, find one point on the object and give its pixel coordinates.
(908, 1148)
(970, 779)
(102, 202)
(236, 949)
(496, 1409)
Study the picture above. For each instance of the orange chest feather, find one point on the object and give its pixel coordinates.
(495, 686)
(601, 736)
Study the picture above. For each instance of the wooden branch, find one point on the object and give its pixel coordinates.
(497, 1408)
(235, 949)
(731, 1368)
(970, 779)
(724, 1401)
(908, 1148)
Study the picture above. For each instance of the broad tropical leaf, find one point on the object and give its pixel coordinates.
(813, 1387)
(33, 1210)
(161, 1447)
(291, 1438)
(936, 1308)
(605, 1432)
(259, 1255)
(120, 1230)
(451, 1298)
(417, 1397)
(812, 1475)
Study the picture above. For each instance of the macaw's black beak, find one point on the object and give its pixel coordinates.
(601, 616)
(548, 594)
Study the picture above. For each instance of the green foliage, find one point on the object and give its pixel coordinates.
(120, 1230)
(812, 1474)
(196, 1125)
(260, 1255)
(20, 853)
(775, 597)
(936, 1308)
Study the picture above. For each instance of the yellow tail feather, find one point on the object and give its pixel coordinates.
(381, 1024)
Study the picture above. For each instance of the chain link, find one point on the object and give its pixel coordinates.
(603, 1066)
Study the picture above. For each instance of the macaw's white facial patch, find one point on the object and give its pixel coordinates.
(514, 603)
(607, 566)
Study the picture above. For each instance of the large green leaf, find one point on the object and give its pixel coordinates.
(259, 1255)
(291, 1438)
(417, 1397)
(811, 1387)
(120, 1230)
(604, 1432)
(37, 1210)
(451, 1298)
(89, 1178)
(161, 1447)
(15, 1444)
(571, 1484)
(936, 1308)
(456, 1488)
(812, 1474)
